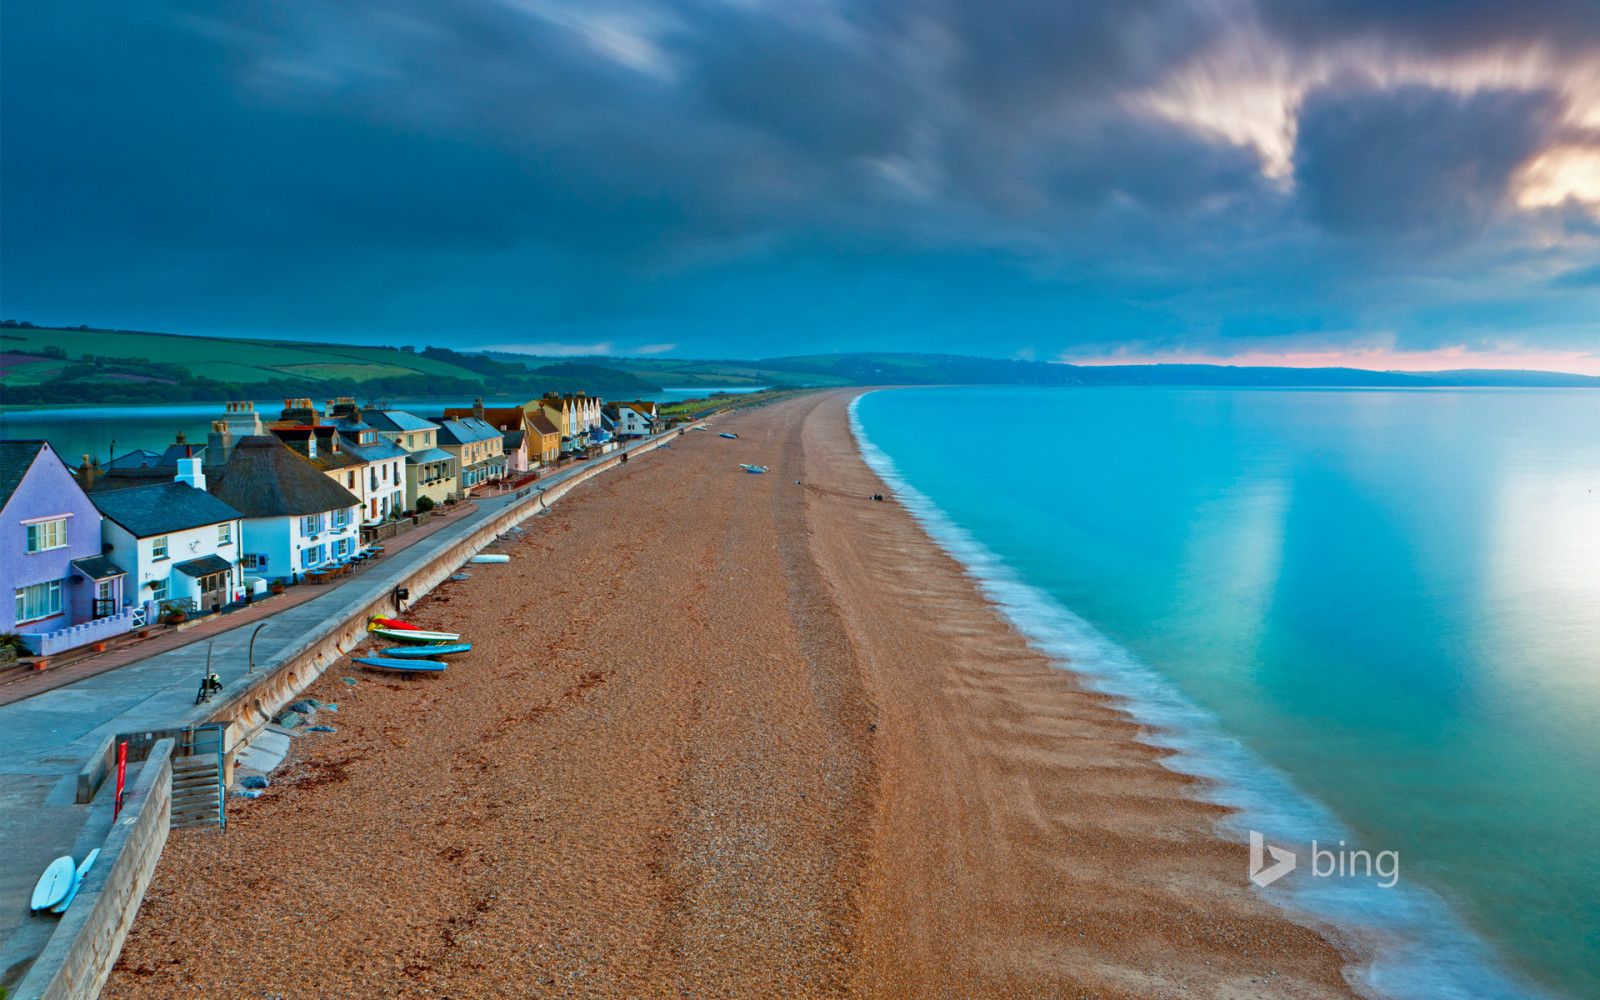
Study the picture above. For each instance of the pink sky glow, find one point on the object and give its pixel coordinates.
(1374, 359)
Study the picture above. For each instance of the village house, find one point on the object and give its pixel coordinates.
(51, 551)
(514, 444)
(349, 452)
(385, 489)
(543, 438)
(178, 544)
(294, 518)
(633, 419)
(477, 447)
(431, 471)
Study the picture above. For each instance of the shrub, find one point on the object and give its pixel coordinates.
(424, 504)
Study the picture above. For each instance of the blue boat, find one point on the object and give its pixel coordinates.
(426, 652)
(401, 666)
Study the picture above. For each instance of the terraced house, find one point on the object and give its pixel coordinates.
(477, 446)
(294, 518)
(350, 452)
(431, 471)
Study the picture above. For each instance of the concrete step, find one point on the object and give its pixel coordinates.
(207, 762)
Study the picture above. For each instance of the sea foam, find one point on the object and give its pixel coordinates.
(1414, 946)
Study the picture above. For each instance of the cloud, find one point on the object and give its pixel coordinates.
(758, 177)
(553, 350)
(655, 348)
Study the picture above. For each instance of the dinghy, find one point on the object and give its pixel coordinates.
(490, 558)
(755, 469)
(733, 436)
(57, 881)
(427, 652)
(394, 623)
(77, 882)
(414, 635)
(400, 666)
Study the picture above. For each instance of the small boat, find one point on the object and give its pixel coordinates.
(77, 882)
(755, 469)
(57, 881)
(426, 652)
(400, 666)
(414, 635)
(395, 623)
(724, 434)
(489, 558)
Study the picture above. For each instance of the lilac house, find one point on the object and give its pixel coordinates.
(66, 592)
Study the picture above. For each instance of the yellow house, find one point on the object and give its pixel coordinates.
(431, 471)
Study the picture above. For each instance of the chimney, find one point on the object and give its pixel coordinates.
(219, 445)
(477, 407)
(86, 475)
(189, 471)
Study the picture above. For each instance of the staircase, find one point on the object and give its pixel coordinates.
(195, 785)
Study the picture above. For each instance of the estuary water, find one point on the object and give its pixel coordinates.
(1372, 617)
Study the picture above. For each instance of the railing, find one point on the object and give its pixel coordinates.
(99, 630)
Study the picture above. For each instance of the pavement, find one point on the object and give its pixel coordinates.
(45, 739)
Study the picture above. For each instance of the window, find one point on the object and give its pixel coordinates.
(311, 525)
(225, 533)
(374, 477)
(341, 518)
(39, 601)
(311, 556)
(253, 560)
(350, 479)
(158, 547)
(161, 590)
(47, 535)
(411, 440)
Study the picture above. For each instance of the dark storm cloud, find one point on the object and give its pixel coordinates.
(481, 168)
(1414, 162)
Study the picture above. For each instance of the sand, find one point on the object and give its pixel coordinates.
(720, 736)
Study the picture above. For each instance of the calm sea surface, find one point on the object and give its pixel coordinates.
(90, 430)
(1372, 616)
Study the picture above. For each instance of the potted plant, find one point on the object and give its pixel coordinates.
(176, 616)
(276, 587)
(98, 647)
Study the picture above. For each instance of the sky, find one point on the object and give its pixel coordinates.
(1386, 183)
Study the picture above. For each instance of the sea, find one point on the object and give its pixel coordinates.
(75, 431)
(1370, 617)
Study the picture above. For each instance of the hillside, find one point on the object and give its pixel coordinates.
(49, 365)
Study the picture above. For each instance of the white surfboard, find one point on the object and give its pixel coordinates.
(77, 883)
(490, 558)
(55, 883)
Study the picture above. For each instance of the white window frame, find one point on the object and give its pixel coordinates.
(225, 533)
(46, 535)
(162, 590)
(311, 525)
(48, 596)
(158, 547)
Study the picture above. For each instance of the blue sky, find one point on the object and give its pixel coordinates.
(1392, 184)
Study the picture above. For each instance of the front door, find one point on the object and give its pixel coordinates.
(213, 591)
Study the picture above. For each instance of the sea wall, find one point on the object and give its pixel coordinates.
(87, 940)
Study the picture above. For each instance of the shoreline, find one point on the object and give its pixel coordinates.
(727, 735)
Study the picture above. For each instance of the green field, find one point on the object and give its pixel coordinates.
(219, 358)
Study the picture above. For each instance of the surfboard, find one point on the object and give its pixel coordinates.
(490, 558)
(402, 635)
(77, 882)
(401, 666)
(55, 883)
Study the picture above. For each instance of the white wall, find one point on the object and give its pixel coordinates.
(136, 557)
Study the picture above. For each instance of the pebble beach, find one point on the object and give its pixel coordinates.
(720, 735)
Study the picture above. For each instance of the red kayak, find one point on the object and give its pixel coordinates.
(397, 623)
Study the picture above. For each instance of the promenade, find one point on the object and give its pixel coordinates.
(46, 739)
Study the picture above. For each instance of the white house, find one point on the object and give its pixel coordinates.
(295, 518)
(177, 543)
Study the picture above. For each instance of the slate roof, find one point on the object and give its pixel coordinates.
(542, 424)
(427, 455)
(512, 439)
(509, 417)
(266, 478)
(16, 458)
(395, 420)
(146, 511)
(139, 457)
(466, 430)
(380, 450)
(98, 568)
(203, 566)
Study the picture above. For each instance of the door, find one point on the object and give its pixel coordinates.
(213, 591)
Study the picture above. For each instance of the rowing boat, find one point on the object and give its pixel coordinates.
(416, 652)
(414, 635)
(400, 666)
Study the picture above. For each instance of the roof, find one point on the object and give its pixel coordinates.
(430, 455)
(466, 430)
(203, 566)
(395, 420)
(146, 511)
(379, 450)
(542, 424)
(16, 458)
(508, 417)
(266, 478)
(134, 459)
(513, 440)
(97, 568)
(174, 452)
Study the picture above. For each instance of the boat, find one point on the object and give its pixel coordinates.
(400, 666)
(77, 882)
(725, 434)
(414, 635)
(59, 879)
(395, 623)
(755, 469)
(490, 558)
(423, 652)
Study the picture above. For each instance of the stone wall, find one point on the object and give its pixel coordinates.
(88, 939)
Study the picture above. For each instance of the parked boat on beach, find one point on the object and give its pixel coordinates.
(727, 435)
(415, 636)
(400, 666)
(427, 652)
(754, 469)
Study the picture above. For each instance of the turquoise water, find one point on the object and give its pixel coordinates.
(1372, 616)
